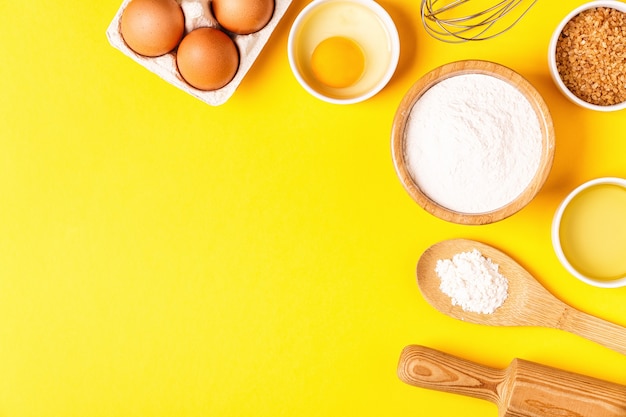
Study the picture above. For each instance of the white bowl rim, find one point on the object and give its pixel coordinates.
(556, 226)
(614, 4)
(390, 28)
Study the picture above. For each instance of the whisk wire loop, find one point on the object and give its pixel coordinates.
(445, 22)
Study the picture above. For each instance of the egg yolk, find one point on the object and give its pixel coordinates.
(337, 62)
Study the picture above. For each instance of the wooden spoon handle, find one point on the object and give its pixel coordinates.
(428, 368)
(595, 329)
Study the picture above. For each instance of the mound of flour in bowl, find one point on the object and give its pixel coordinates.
(473, 143)
(472, 282)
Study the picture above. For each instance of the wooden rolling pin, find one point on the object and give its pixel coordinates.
(523, 389)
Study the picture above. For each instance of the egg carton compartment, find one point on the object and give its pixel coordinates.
(198, 14)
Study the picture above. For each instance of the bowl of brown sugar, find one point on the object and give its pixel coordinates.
(587, 55)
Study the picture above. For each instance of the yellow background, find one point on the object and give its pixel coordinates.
(162, 257)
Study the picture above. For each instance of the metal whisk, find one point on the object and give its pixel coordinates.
(456, 21)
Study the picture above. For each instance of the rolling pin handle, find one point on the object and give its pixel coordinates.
(428, 368)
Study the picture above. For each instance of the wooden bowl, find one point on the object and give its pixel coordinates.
(398, 140)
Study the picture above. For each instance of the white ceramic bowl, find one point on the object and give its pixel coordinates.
(618, 5)
(556, 233)
(363, 21)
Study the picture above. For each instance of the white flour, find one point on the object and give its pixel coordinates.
(472, 282)
(473, 143)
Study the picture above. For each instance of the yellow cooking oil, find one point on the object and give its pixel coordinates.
(593, 232)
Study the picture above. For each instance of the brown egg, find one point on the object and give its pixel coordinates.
(207, 58)
(243, 16)
(152, 27)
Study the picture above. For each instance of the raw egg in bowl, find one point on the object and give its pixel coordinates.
(343, 51)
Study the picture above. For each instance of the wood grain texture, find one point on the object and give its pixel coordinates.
(523, 389)
(528, 302)
(439, 74)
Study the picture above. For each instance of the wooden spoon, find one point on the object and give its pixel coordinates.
(528, 302)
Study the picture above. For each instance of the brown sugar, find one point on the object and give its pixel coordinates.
(591, 56)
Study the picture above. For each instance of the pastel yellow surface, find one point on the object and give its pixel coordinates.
(162, 257)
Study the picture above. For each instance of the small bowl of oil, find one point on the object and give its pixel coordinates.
(343, 51)
(589, 232)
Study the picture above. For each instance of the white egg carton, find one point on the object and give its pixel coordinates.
(198, 14)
